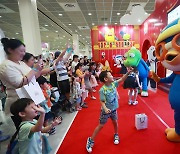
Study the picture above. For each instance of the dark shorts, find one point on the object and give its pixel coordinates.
(104, 117)
(64, 86)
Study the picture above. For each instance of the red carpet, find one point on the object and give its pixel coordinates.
(149, 141)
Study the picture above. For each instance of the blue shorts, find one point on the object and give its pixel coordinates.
(105, 116)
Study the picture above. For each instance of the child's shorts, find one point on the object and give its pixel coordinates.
(105, 116)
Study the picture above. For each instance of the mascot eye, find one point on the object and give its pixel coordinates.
(178, 41)
(132, 55)
(161, 51)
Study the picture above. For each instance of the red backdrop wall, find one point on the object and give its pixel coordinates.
(99, 43)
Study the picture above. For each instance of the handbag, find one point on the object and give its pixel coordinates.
(31, 90)
(141, 121)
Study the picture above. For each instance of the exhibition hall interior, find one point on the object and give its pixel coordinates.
(89, 76)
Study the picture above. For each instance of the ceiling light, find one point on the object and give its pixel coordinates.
(89, 14)
(17, 33)
(83, 38)
(47, 36)
(115, 23)
(60, 14)
(56, 31)
(63, 36)
(80, 35)
(139, 20)
(69, 39)
(105, 24)
(69, 24)
(118, 13)
(93, 24)
(0, 16)
(46, 25)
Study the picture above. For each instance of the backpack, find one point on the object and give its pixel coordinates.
(12, 147)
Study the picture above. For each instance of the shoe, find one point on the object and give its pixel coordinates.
(116, 139)
(79, 108)
(130, 102)
(4, 138)
(89, 145)
(94, 98)
(135, 103)
(52, 131)
(84, 106)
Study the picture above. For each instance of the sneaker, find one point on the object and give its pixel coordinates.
(52, 131)
(89, 145)
(84, 106)
(130, 102)
(79, 108)
(135, 103)
(94, 98)
(116, 139)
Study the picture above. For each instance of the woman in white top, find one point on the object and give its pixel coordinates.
(13, 72)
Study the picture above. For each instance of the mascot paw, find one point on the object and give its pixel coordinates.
(172, 135)
(154, 76)
(144, 93)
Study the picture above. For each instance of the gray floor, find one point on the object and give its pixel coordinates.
(54, 140)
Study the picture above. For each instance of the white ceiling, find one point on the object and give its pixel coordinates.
(58, 31)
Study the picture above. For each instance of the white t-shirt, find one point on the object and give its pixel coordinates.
(11, 75)
(73, 65)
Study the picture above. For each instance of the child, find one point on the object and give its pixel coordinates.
(46, 104)
(61, 71)
(81, 75)
(29, 136)
(132, 83)
(77, 91)
(109, 105)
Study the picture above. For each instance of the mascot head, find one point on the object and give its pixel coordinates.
(133, 56)
(168, 46)
(151, 53)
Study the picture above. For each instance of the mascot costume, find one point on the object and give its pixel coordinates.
(152, 63)
(133, 59)
(168, 53)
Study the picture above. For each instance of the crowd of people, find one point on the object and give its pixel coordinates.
(74, 80)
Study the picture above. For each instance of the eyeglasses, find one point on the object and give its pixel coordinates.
(161, 49)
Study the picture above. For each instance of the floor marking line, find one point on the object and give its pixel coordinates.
(162, 121)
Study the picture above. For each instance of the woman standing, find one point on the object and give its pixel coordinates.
(14, 73)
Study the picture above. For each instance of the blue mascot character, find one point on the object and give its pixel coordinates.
(134, 59)
(168, 53)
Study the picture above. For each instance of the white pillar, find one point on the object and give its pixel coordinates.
(75, 38)
(2, 52)
(30, 26)
(87, 50)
